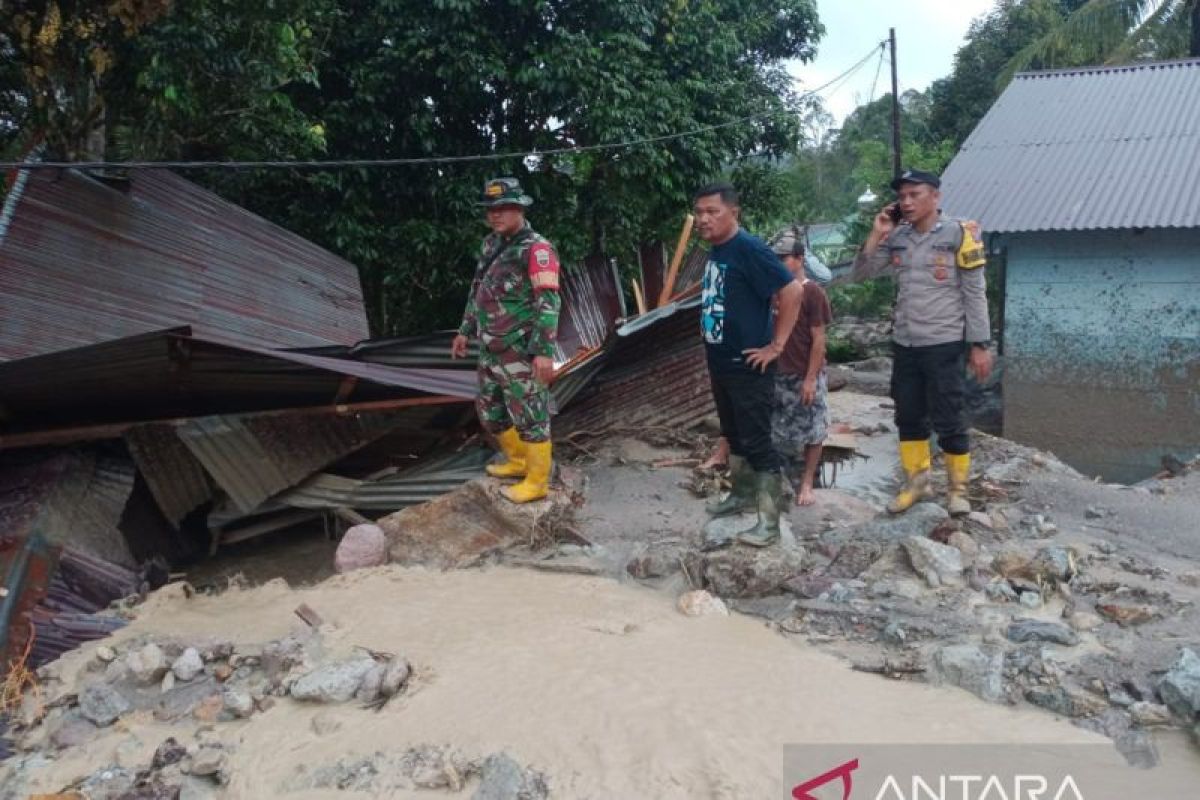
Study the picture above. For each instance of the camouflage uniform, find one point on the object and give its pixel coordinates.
(513, 309)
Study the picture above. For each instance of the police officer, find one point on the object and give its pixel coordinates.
(940, 321)
(513, 309)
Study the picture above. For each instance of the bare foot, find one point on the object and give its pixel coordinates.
(806, 497)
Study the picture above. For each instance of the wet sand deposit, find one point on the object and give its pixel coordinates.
(605, 689)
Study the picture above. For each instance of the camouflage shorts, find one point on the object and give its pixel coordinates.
(509, 395)
(794, 425)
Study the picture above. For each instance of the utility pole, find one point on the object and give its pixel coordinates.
(896, 154)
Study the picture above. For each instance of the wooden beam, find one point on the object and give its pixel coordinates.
(680, 249)
(637, 296)
(115, 430)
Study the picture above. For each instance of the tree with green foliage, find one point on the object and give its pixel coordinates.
(1114, 32)
(159, 79)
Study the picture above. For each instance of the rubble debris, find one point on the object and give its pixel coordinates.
(1128, 615)
(188, 665)
(1068, 702)
(746, 572)
(502, 778)
(103, 705)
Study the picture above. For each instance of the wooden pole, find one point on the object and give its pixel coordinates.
(637, 295)
(897, 155)
(676, 260)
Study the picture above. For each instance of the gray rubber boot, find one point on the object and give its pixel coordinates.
(769, 494)
(741, 495)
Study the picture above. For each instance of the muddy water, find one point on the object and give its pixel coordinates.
(604, 687)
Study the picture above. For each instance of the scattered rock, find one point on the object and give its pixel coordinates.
(105, 654)
(102, 704)
(147, 665)
(1032, 630)
(501, 778)
(395, 676)
(73, 730)
(904, 588)
(333, 683)
(1127, 615)
(1083, 621)
(1095, 512)
(809, 587)
(1190, 578)
(362, 546)
(964, 544)
(700, 603)
(238, 703)
(978, 669)
(168, 753)
(168, 682)
(894, 633)
(938, 564)
(1011, 564)
(981, 519)
(1067, 702)
(207, 761)
(1149, 715)
(1053, 565)
(188, 665)
(1180, 687)
(223, 672)
(1031, 600)
(742, 572)
(1001, 591)
(210, 708)
(107, 784)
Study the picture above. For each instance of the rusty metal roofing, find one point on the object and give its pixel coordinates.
(1085, 149)
(169, 374)
(85, 261)
(254, 457)
(655, 375)
(174, 476)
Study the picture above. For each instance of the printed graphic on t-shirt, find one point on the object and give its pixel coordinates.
(712, 303)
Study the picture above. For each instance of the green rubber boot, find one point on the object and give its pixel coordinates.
(741, 495)
(769, 494)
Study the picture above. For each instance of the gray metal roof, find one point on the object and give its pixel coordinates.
(1085, 149)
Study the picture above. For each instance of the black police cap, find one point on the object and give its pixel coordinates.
(916, 176)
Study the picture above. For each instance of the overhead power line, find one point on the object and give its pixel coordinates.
(403, 162)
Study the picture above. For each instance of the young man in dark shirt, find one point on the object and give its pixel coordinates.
(742, 343)
(801, 415)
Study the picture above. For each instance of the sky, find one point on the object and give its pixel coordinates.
(928, 32)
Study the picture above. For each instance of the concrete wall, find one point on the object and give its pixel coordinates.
(1102, 339)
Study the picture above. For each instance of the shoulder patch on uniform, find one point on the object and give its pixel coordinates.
(543, 266)
(970, 252)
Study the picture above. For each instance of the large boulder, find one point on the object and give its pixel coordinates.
(465, 527)
(333, 683)
(743, 572)
(362, 546)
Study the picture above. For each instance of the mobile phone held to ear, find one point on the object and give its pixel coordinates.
(894, 212)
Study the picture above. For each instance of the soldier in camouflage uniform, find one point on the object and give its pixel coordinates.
(513, 308)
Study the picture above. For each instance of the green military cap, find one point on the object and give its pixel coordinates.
(504, 192)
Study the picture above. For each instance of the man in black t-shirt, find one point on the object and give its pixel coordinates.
(742, 343)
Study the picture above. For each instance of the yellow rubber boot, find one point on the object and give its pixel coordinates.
(514, 454)
(958, 470)
(914, 457)
(536, 485)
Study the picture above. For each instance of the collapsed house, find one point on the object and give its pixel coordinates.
(178, 374)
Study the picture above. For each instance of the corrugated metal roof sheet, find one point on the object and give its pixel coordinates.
(174, 476)
(85, 262)
(253, 458)
(1083, 149)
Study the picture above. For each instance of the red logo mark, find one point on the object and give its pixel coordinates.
(801, 792)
